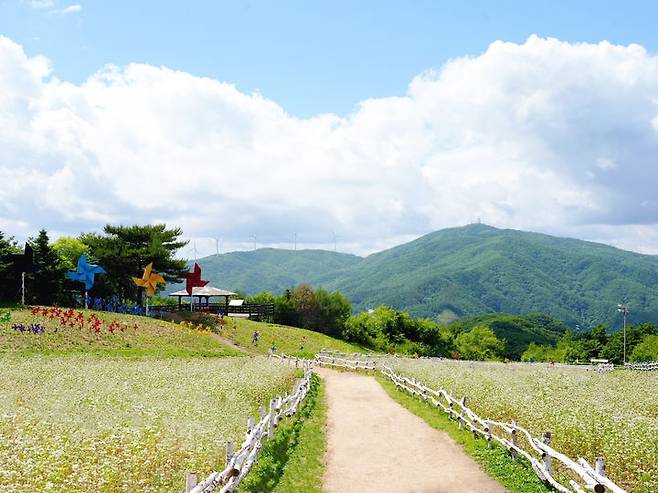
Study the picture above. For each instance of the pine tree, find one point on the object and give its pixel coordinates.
(44, 285)
(8, 281)
(124, 251)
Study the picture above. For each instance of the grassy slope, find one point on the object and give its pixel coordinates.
(151, 338)
(287, 340)
(153, 422)
(517, 476)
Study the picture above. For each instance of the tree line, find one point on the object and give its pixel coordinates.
(497, 336)
(382, 329)
(598, 343)
(123, 251)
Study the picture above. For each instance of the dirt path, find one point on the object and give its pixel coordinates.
(376, 445)
(228, 342)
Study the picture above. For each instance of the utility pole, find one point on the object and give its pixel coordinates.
(194, 249)
(254, 237)
(217, 249)
(623, 309)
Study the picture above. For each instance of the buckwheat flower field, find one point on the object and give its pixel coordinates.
(613, 415)
(82, 423)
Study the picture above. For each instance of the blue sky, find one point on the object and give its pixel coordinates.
(376, 122)
(310, 57)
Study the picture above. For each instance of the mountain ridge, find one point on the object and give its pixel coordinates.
(465, 271)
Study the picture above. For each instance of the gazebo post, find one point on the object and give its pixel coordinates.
(226, 305)
(180, 302)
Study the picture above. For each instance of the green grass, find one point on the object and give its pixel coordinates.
(288, 340)
(141, 336)
(515, 475)
(293, 460)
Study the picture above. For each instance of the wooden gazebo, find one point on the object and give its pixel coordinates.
(206, 292)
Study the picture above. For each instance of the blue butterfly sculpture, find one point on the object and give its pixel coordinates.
(85, 272)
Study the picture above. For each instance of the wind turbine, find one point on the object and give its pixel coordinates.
(335, 240)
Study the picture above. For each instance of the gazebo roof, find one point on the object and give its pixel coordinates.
(204, 291)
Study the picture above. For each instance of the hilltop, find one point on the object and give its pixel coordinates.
(456, 272)
(479, 269)
(275, 270)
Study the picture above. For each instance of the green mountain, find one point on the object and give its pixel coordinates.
(472, 270)
(479, 269)
(269, 269)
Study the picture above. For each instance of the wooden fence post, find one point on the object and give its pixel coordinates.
(270, 425)
(190, 481)
(514, 440)
(229, 452)
(277, 407)
(548, 460)
(461, 413)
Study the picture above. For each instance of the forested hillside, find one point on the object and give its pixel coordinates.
(464, 271)
(270, 269)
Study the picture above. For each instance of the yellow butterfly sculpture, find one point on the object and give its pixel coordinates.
(149, 280)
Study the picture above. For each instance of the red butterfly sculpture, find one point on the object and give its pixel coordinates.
(193, 279)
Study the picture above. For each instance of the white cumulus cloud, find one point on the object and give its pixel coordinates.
(70, 9)
(545, 135)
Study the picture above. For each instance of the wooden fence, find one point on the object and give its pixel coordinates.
(649, 366)
(554, 468)
(360, 363)
(239, 463)
(293, 360)
(252, 310)
(517, 440)
(355, 356)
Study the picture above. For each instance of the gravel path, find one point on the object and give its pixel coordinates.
(376, 445)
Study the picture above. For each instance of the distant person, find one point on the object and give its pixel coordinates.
(301, 345)
(272, 348)
(254, 338)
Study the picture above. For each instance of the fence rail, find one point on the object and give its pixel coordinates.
(251, 309)
(516, 439)
(239, 463)
(649, 366)
(355, 356)
(324, 359)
